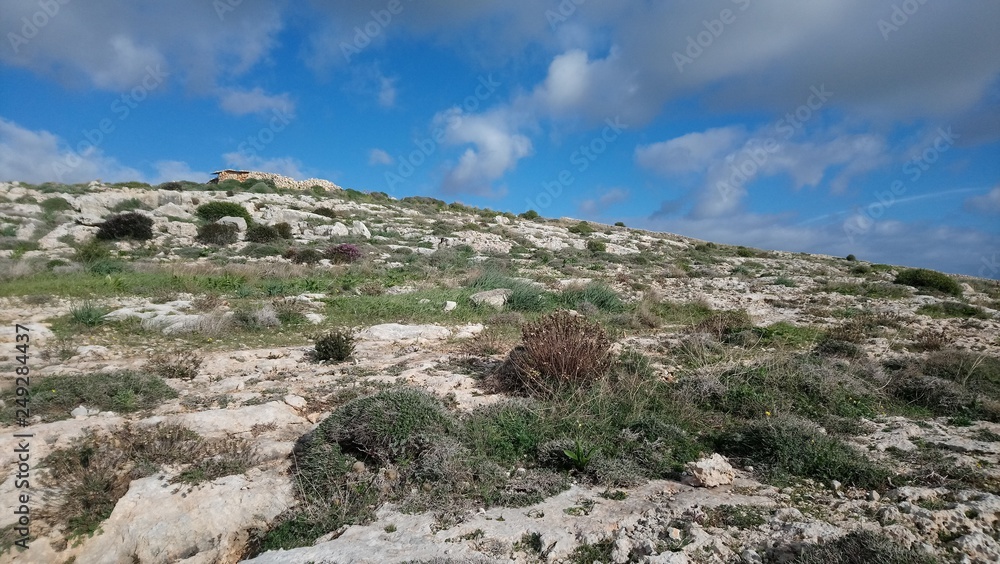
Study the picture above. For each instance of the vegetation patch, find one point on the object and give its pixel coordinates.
(924, 279)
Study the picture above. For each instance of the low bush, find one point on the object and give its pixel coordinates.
(325, 212)
(596, 246)
(929, 280)
(54, 205)
(173, 186)
(87, 313)
(303, 256)
(181, 364)
(132, 225)
(214, 211)
(284, 229)
(219, 234)
(91, 251)
(343, 253)
(558, 351)
(786, 447)
(337, 346)
(529, 215)
(953, 309)
(582, 228)
(860, 546)
(259, 233)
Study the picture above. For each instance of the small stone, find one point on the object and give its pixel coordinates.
(81, 411)
(427, 486)
(874, 496)
(449, 305)
(674, 534)
(620, 551)
(710, 472)
(749, 468)
(294, 401)
(836, 485)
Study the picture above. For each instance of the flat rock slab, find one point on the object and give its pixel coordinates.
(156, 522)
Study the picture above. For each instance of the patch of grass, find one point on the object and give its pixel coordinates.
(860, 546)
(180, 363)
(738, 516)
(785, 447)
(131, 225)
(582, 228)
(218, 234)
(595, 293)
(682, 313)
(924, 279)
(53, 397)
(88, 314)
(130, 204)
(337, 346)
(867, 290)
(953, 309)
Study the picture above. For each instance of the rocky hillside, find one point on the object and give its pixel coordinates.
(241, 372)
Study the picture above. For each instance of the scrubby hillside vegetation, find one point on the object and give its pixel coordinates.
(292, 376)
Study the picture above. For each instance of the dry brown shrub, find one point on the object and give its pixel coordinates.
(559, 350)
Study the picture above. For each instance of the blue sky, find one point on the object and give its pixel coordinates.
(831, 126)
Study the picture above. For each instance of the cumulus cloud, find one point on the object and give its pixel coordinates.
(596, 206)
(379, 157)
(110, 44)
(497, 146)
(255, 101)
(987, 204)
(40, 156)
(692, 152)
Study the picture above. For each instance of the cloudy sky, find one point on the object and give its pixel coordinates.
(869, 127)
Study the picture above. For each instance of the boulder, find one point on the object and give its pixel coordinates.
(172, 210)
(359, 229)
(710, 472)
(239, 222)
(336, 230)
(494, 298)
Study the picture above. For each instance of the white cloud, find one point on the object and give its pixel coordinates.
(255, 101)
(987, 204)
(692, 152)
(110, 44)
(497, 148)
(40, 156)
(379, 157)
(602, 203)
(387, 92)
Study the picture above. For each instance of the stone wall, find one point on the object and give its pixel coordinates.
(278, 180)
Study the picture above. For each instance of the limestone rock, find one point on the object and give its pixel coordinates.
(394, 332)
(336, 230)
(494, 298)
(172, 210)
(711, 472)
(450, 306)
(359, 229)
(239, 222)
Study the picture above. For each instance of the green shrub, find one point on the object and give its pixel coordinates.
(337, 346)
(87, 313)
(259, 233)
(284, 229)
(130, 204)
(219, 234)
(180, 364)
(256, 250)
(303, 256)
(582, 228)
(130, 225)
(53, 397)
(953, 309)
(54, 205)
(852, 258)
(389, 426)
(214, 211)
(104, 267)
(325, 212)
(785, 447)
(529, 215)
(173, 186)
(619, 224)
(507, 431)
(929, 280)
(596, 246)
